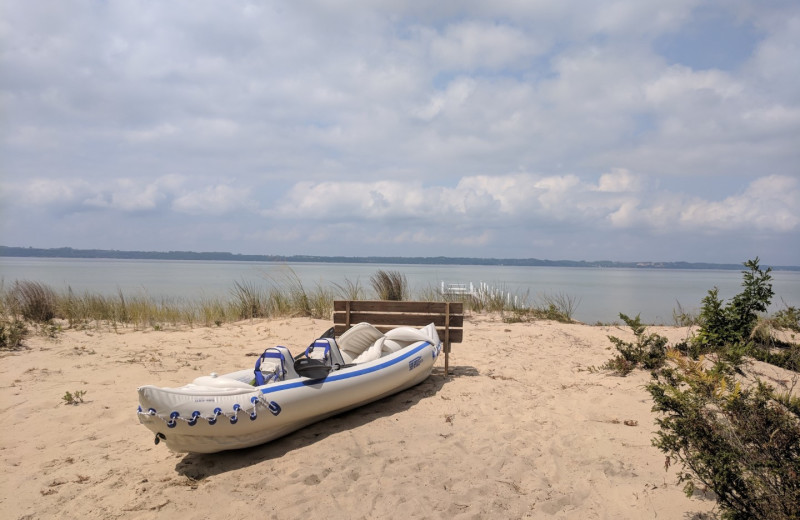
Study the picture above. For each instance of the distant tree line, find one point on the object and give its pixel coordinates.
(68, 252)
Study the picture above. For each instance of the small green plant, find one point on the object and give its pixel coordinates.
(73, 398)
(12, 332)
(648, 351)
(49, 330)
(515, 317)
(683, 318)
(560, 306)
(788, 318)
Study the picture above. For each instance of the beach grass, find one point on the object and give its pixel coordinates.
(288, 296)
(390, 285)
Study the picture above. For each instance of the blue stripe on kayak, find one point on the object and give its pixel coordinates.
(347, 375)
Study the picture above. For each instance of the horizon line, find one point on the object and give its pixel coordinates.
(69, 252)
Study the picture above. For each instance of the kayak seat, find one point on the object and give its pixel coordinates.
(357, 340)
(275, 364)
(397, 339)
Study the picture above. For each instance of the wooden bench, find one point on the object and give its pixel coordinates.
(448, 317)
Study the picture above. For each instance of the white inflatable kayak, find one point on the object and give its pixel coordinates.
(283, 394)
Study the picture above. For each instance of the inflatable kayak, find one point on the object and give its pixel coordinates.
(283, 393)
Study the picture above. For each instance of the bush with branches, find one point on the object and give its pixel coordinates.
(740, 441)
(648, 351)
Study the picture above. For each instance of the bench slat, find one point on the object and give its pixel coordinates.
(393, 306)
(419, 320)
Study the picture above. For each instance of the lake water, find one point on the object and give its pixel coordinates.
(602, 293)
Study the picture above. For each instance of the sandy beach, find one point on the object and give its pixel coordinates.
(522, 428)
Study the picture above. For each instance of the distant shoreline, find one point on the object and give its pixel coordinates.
(68, 252)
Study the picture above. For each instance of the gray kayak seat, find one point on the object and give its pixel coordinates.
(356, 340)
(327, 350)
(364, 343)
(319, 359)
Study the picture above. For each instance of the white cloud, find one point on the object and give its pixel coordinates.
(619, 180)
(475, 45)
(156, 133)
(214, 200)
(129, 196)
(770, 203)
(46, 192)
(453, 98)
(679, 81)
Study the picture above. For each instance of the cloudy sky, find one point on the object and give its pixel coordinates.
(559, 129)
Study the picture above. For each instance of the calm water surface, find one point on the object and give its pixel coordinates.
(602, 293)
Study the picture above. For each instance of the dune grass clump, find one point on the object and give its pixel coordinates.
(788, 318)
(317, 303)
(683, 318)
(290, 297)
(350, 290)
(559, 307)
(249, 301)
(34, 301)
(493, 299)
(390, 285)
(513, 307)
(212, 311)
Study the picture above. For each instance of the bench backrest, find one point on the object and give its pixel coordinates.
(448, 317)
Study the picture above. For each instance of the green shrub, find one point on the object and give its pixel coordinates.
(12, 332)
(743, 444)
(729, 327)
(648, 351)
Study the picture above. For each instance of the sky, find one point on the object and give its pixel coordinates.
(625, 130)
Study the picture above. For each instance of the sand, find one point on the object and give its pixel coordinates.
(522, 428)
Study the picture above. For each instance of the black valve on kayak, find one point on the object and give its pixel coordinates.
(159, 437)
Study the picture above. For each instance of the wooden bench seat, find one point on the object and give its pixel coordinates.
(448, 317)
